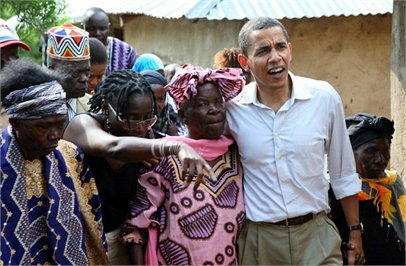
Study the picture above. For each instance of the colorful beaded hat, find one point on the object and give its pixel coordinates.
(68, 42)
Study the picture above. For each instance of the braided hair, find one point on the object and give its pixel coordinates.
(118, 86)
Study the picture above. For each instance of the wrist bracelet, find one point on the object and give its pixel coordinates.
(153, 149)
(162, 148)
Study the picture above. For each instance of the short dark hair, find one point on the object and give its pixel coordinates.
(22, 73)
(98, 53)
(92, 10)
(118, 86)
(259, 23)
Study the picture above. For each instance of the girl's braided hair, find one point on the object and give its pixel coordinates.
(118, 86)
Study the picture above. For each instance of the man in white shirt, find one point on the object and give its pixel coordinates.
(284, 126)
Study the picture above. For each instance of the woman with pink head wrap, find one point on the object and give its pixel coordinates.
(198, 226)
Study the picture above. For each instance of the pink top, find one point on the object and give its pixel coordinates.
(194, 227)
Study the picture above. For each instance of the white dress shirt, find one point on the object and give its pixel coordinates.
(283, 154)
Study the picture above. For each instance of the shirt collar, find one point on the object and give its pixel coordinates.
(299, 91)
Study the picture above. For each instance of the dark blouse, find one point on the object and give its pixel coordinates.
(116, 189)
(381, 244)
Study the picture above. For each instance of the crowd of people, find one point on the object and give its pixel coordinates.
(108, 157)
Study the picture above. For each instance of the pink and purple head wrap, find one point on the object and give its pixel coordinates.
(183, 84)
(36, 102)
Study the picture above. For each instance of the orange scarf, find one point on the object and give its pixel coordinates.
(388, 195)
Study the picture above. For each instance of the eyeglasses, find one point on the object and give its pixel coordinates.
(133, 124)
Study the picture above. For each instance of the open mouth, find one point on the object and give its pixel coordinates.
(276, 71)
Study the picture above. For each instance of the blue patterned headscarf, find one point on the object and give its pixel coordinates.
(148, 62)
(35, 102)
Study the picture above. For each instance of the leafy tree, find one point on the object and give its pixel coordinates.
(34, 17)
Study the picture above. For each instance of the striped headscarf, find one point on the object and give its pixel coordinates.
(183, 84)
(35, 102)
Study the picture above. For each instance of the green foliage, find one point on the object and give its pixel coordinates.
(34, 17)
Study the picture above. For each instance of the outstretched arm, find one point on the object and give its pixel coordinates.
(87, 133)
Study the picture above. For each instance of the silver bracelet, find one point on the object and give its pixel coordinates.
(162, 148)
(175, 147)
(153, 149)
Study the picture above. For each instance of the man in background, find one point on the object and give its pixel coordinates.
(120, 54)
(9, 43)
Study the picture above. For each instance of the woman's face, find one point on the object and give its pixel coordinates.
(95, 76)
(159, 95)
(205, 114)
(140, 108)
(372, 158)
(38, 137)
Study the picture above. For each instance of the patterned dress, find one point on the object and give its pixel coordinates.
(195, 227)
(120, 55)
(50, 208)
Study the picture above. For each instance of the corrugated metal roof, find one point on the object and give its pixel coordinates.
(233, 9)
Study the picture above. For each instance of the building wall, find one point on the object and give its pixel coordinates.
(352, 53)
(398, 89)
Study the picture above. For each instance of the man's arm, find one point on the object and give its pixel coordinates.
(350, 208)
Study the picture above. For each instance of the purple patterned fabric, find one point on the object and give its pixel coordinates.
(121, 56)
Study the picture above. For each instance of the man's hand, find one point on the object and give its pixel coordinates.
(352, 251)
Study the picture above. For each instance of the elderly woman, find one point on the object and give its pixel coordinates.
(115, 142)
(382, 200)
(195, 227)
(50, 208)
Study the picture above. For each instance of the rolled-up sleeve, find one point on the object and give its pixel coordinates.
(343, 177)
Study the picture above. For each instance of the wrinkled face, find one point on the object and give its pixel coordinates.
(159, 95)
(205, 114)
(140, 108)
(268, 58)
(96, 76)
(98, 26)
(76, 75)
(38, 137)
(8, 53)
(372, 158)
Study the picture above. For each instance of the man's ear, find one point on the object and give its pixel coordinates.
(242, 59)
(291, 49)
